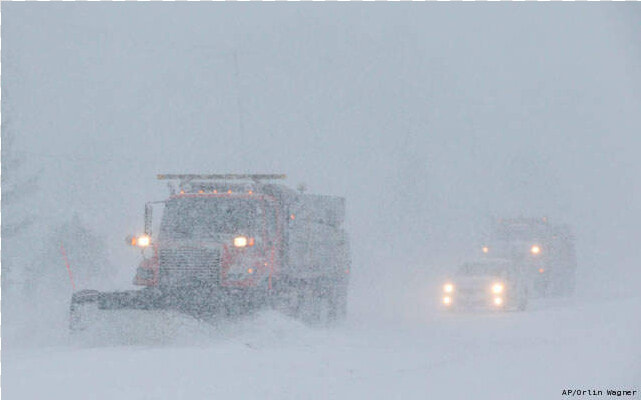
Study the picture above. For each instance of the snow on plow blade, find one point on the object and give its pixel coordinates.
(85, 305)
(135, 317)
(90, 307)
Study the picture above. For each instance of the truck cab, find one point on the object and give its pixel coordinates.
(227, 239)
(544, 251)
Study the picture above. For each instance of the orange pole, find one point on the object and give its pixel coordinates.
(64, 255)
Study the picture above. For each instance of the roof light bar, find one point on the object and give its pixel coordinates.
(211, 177)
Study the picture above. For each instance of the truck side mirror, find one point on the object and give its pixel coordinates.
(148, 219)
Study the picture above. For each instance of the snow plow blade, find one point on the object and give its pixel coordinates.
(200, 302)
(86, 303)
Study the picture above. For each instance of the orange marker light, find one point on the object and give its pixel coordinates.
(293, 217)
(541, 270)
(250, 192)
(215, 191)
(250, 270)
(251, 242)
(229, 191)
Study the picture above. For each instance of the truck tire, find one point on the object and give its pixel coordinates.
(331, 301)
(313, 305)
(319, 301)
(286, 298)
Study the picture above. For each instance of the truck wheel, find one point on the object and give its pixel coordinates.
(288, 302)
(314, 306)
(332, 302)
(318, 302)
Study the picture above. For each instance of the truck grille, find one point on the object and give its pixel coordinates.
(184, 265)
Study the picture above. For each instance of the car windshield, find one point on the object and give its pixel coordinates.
(481, 269)
(187, 218)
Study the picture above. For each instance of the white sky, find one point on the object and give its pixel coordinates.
(430, 118)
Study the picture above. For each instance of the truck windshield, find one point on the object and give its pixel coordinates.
(480, 269)
(191, 218)
(517, 232)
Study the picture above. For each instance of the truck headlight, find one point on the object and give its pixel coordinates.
(497, 288)
(143, 241)
(447, 300)
(448, 288)
(240, 241)
(498, 301)
(535, 249)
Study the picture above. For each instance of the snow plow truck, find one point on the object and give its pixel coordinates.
(545, 253)
(228, 244)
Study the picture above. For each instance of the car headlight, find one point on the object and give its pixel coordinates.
(497, 288)
(448, 288)
(498, 301)
(535, 249)
(447, 300)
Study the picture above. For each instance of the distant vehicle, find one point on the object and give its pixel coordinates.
(545, 252)
(486, 284)
(232, 243)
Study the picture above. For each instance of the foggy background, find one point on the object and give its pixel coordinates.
(431, 119)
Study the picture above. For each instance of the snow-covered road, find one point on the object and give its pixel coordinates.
(531, 355)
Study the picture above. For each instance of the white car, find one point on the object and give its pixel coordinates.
(487, 284)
